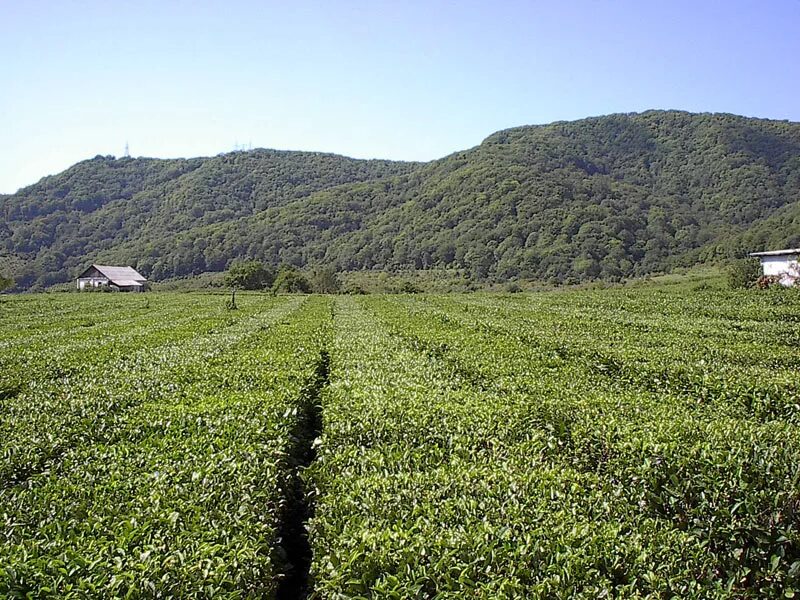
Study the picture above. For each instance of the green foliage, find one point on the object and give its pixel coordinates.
(743, 273)
(430, 280)
(353, 289)
(408, 287)
(619, 443)
(602, 198)
(175, 485)
(614, 443)
(325, 281)
(291, 281)
(158, 214)
(203, 281)
(5, 282)
(249, 275)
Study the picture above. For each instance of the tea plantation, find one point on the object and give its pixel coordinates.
(625, 443)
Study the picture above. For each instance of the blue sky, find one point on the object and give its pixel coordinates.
(404, 80)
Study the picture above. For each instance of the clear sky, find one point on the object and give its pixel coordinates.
(406, 79)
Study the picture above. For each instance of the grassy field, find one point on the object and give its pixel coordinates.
(630, 442)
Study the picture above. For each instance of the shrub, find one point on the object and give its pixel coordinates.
(249, 275)
(354, 289)
(408, 287)
(325, 281)
(292, 281)
(743, 273)
(768, 281)
(5, 282)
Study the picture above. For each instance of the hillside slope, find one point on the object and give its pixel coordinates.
(604, 197)
(98, 206)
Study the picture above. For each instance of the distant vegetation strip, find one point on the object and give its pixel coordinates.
(605, 198)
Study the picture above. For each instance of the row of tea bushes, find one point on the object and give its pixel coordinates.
(430, 487)
(49, 416)
(659, 341)
(728, 481)
(186, 498)
(100, 335)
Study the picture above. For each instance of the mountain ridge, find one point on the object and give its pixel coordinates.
(599, 198)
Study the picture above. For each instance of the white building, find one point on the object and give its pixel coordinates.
(125, 279)
(784, 264)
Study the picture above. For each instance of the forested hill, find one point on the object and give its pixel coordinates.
(604, 197)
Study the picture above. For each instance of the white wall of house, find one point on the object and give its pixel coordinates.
(785, 266)
(91, 282)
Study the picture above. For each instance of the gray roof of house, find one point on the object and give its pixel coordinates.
(776, 252)
(126, 282)
(122, 276)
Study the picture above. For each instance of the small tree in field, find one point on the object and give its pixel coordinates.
(743, 273)
(290, 280)
(325, 281)
(5, 282)
(230, 304)
(249, 275)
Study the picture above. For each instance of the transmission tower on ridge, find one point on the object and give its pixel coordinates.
(127, 151)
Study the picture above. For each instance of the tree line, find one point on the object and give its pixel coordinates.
(255, 275)
(603, 198)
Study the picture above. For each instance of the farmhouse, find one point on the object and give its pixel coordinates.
(782, 264)
(124, 279)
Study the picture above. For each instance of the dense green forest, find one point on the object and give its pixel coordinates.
(600, 198)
